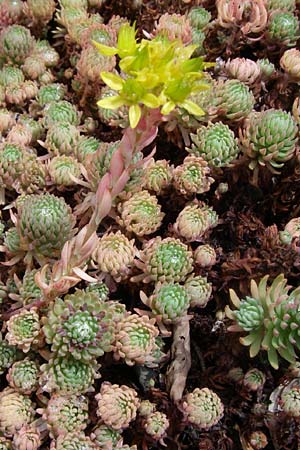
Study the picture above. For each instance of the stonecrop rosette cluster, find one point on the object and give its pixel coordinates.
(270, 316)
(157, 73)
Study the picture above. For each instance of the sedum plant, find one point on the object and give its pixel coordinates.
(270, 317)
(202, 408)
(23, 376)
(158, 73)
(80, 325)
(117, 405)
(216, 144)
(16, 410)
(68, 375)
(269, 138)
(169, 301)
(140, 213)
(135, 338)
(24, 329)
(65, 414)
(165, 260)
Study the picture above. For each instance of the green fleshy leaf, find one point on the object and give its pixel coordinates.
(273, 358)
(167, 108)
(134, 115)
(192, 108)
(111, 102)
(113, 81)
(151, 101)
(105, 49)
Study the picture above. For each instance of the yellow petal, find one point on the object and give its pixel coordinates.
(111, 102)
(113, 81)
(105, 49)
(192, 108)
(134, 115)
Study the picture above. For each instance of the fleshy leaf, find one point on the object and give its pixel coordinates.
(134, 115)
(111, 102)
(192, 108)
(167, 108)
(113, 81)
(105, 49)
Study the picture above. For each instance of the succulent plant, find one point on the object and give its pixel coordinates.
(65, 414)
(140, 213)
(236, 374)
(91, 63)
(202, 408)
(58, 112)
(10, 12)
(11, 165)
(283, 28)
(61, 167)
(254, 379)
(199, 17)
(169, 302)
(135, 338)
(290, 401)
(258, 440)
(117, 405)
(33, 176)
(165, 260)
(79, 325)
(8, 355)
(6, 120)
(146, 408)
(16, 410)
(158, 176)
(50, 93)
(33, 67)
(67, 375)
(73, 441)
(115, 255)
(45, 224)
(62, 138)
(40, 10)
(113, 117)
(47, 53)
(290, 63)
(23, 376)
(106, 437)
(10, 75)
(243, 69)
(16, 43)
(231, 100)
(291, 231)
(24, 329)
(173, 27)
(248, 18)
(5, 444)
(100, 289)
(85, 146)
(269, 138)
(199, 290)
(192, 177)
(205, 255)
(285, 5)
(194, 221)
(156, 425)
(215, 143)
(270, 316)
(27, 438)
(267, 68)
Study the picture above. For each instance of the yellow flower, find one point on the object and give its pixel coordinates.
(131, 93)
